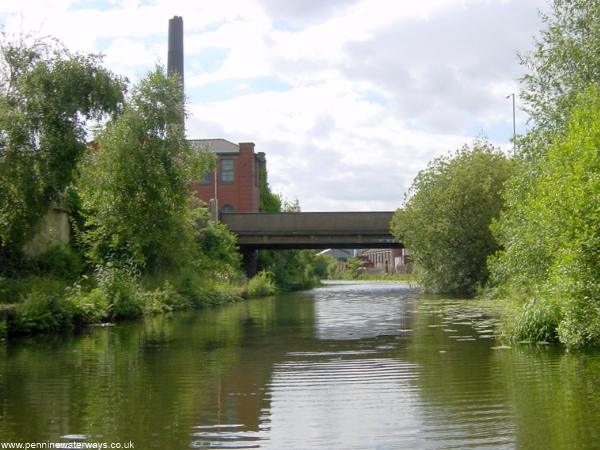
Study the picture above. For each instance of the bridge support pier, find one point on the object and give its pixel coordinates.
(250, 261)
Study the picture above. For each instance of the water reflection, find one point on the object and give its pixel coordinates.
(345, 366)
(359, 311)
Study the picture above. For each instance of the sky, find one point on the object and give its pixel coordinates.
(349, 99)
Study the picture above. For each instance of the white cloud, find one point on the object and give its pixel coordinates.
(375, 88)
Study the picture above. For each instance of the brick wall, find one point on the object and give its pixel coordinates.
(243, 193)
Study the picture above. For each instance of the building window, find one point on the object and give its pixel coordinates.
(206, 178)
(227, 175)
(227, 209)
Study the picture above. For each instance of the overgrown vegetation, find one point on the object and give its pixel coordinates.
(290, 269)
(546, 239)
(134, 187)
(140, 246)
(565, 60)
(446, 216)
(261, 285)
(548, 270)
(47, 97)
(142, 243)
(551, 238)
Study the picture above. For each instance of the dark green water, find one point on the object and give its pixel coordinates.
(345, 366)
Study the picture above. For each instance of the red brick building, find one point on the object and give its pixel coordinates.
(235, 183)
(388, 260)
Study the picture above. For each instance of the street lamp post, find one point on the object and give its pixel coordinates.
(514, 124)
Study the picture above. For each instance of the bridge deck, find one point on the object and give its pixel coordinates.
(312, 229)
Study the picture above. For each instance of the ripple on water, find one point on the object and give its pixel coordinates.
(225, 436)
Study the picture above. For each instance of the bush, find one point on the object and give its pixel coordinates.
(164, 299)
(121, 288)
(49, 97)
(215, 294)
(261, 285)
(535, 321)
(218, 246)
(60, 261)
(446, 217)
(40, 310)
(550, 264)
(87, 307)
(290, 269)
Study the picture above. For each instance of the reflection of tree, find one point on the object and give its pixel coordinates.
(523, 397)
(555, 397)
(152, 381)
(459, 387)
(148, 382)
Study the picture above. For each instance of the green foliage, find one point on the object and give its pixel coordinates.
(163, 299)
(87, 307)
(354, 267)
(74, 206)
(324, 266)
(216, 294)
(218, 247)
(269, 202)
(551, 236)
(291, 269)
(60, 261)
(121, 288)
(566, 59)
(47, 97)
(42, 309)
(535, 320)
(135, 186)
(446, 217)
(261, 285)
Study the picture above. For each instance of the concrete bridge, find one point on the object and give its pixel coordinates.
(311, 230)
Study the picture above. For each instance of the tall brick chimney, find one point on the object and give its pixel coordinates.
(175, 56)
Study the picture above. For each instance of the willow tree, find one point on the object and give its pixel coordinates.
(48, 96)
(135, 185)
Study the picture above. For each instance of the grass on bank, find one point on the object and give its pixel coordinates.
(56, 292)
(400, 277)
(41, 303)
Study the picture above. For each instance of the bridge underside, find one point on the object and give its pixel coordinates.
(312, 230)
(249, 242)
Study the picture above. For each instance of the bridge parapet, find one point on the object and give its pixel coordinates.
(312, 229)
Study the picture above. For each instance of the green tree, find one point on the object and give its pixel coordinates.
(446, 216)
(291, 269)
(269, 202)
(550, 264)
(135, 186)
(354, 266)
(47, 97)
(218, 246)
(564, 61)
(543, 269)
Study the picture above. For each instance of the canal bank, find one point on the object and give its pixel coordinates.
(45, 304)
(353, 365)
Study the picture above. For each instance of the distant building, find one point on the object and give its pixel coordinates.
(234, 186)
(388, 260)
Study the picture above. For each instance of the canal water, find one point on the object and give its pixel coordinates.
(349, 365)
